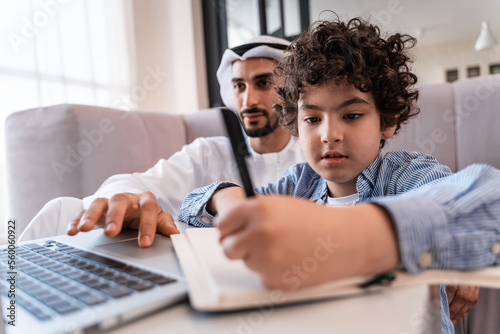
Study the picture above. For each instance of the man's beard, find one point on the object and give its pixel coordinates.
(267, 129)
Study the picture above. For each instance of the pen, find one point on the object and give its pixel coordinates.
(240, 149)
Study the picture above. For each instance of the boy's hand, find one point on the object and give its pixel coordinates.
(126, 210)
(224, 199)
(293, 242)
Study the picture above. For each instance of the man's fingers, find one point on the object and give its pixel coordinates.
(73, 225)
(126, 210)
(118, 206)
(150, 209)
(93, 214)
(166, 224)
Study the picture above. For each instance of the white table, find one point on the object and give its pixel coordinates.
(399, 311)
(407, 310)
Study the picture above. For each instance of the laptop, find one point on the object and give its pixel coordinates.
(86, 283)
(91, 283)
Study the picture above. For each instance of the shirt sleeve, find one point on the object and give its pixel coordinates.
(193, 209)
(412, 170)
(449, 223)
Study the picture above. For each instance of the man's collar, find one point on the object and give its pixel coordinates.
(292, 142)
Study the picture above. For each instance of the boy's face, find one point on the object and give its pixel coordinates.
(339, 131)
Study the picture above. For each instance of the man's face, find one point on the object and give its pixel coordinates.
(339, 131)
(254, 95)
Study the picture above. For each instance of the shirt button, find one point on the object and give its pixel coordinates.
(319, 201)
(425, 260)
(206, 220)
(495, 249)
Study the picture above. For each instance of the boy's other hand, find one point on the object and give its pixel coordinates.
(126, 210)
(224, 199)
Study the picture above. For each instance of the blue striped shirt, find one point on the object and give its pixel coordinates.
(454, 217)
(452, 220)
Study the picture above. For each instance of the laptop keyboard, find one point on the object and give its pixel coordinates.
(55, 278)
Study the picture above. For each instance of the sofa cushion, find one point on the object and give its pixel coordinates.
(432, 131)
(477, 110)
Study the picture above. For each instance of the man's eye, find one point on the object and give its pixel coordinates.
(265, 83)
(237, 85)
(312, 120)
(352, 116)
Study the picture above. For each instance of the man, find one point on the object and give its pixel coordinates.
(149, 201)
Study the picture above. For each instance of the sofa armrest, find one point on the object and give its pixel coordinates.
(69, 150)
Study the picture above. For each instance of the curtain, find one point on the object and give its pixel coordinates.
(62, 51)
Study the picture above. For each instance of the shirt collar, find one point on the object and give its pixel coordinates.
(367, 179)
(321, 191)
(364, 184)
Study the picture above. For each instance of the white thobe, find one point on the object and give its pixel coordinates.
(198, 164)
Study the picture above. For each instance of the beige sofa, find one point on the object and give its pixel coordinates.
(69, 150)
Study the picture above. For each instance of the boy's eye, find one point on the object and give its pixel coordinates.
(312, 120)
(352, 116)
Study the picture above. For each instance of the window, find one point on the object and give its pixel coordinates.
(473, 71)
(451, 75)
(60, 51)
(494, 68)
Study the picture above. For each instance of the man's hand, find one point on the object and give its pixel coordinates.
(294, 243)
(126, 210)
(464, 297)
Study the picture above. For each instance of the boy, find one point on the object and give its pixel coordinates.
(345, 91)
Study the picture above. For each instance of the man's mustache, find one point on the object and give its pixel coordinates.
(253, 111)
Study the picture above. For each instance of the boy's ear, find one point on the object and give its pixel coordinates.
(389, 132)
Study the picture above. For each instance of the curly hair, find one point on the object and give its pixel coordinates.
(334, 52)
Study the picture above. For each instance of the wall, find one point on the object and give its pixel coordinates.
(433, 61)
(169, 52)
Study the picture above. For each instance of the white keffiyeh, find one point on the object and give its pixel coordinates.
(257, 47)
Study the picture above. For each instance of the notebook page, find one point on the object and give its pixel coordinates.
(217, 283)
(231, 277)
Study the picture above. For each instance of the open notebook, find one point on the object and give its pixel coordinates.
(217, 283)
